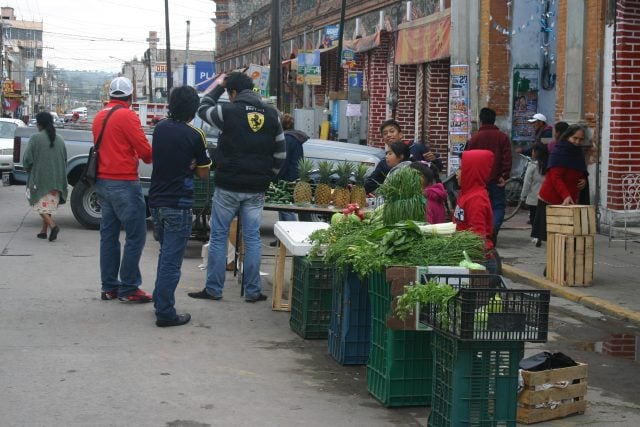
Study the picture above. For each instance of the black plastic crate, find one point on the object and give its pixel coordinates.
(350, 327)
(489, 314)
(311, 297)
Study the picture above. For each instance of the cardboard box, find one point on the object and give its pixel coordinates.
(565, 387)
(574, 220)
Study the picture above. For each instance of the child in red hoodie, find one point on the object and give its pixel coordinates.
(473, 209)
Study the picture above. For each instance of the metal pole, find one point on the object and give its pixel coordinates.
(186, 57)
(166, 24)
(340, 32)
(2, 68)
(275, 59)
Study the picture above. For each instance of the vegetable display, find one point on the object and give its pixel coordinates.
(367, 246)
(403, 198)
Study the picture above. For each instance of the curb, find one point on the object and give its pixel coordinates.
(571, 294)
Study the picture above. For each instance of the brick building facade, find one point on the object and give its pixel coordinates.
(596, 67)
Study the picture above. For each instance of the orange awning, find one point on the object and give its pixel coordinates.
(424, 40)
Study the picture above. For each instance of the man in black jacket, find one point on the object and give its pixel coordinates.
(250, 153)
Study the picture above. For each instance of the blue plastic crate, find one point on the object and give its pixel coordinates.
(350, 327)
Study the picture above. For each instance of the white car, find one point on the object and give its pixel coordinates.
(7, 130)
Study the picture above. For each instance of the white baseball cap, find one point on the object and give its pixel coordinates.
(120, 87)
(538, 116)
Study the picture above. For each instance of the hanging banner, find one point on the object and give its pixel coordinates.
(525, 104)
(309, 69)
(260, 76)
(459, 114)
(331, 33)
(424, 42)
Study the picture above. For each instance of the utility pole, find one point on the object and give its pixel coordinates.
(186, 57)
(166, 24)
(340, 32)
(275, 61)
(1, 67)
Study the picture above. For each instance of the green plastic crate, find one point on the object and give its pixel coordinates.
(202, 191)
(475, 383)
(311, 298)
(399, 368)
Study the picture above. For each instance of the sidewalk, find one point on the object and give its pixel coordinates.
(616, 285)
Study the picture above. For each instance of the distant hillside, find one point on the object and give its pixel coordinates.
(84, 85)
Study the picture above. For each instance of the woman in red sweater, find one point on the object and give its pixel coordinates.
(566, 172)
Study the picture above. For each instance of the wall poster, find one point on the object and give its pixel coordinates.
(525, 104)
(459, 114)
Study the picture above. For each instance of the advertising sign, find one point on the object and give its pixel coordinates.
(204, 71)
(161, 69)
(331, 33)
(309, 69)
(525, 104)
(260, 76)
(459, 114)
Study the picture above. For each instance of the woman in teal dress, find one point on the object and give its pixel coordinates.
(45, 160)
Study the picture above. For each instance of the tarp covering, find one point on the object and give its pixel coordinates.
(363, 44)
(424, 40)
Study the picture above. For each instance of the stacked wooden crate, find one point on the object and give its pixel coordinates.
(570, 244)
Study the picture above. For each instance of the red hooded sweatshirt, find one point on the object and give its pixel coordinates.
(473, 210)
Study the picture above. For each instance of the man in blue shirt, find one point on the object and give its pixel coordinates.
(179, 152)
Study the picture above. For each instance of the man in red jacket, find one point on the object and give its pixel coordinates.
(489, 137)
(122, 144)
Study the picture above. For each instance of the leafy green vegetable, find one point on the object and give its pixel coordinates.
(432, 293)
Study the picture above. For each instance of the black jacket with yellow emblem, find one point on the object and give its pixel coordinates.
(251, 145)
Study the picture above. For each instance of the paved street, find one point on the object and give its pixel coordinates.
(69, 359)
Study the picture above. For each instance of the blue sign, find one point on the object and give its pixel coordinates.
(355, 79)
(204, 71)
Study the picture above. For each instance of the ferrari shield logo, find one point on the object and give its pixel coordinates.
(256, 121)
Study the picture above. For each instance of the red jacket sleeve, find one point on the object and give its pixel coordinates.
(138, 139)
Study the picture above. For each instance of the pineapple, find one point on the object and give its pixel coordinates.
(358, 195)
(323, 190)
(341, 195)
(302, 191)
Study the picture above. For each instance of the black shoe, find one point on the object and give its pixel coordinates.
(54, 233)
(203, 295)
(42, 235)
(539, 243)
(260, 297)
(181, 319)
(273, 244)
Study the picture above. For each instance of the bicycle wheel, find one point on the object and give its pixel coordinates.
(513, 188)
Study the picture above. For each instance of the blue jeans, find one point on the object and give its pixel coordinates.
(287, 216)
(122, 206)
(173, 228)
(225, 206)
(498, 198)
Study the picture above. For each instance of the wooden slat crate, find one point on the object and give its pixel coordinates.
(572, 398)
(570, 259)
(575, 220)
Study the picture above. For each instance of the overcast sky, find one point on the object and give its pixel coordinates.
(84, 34)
